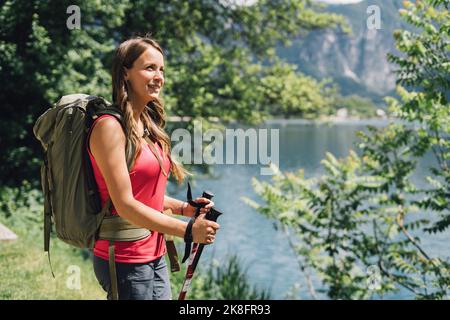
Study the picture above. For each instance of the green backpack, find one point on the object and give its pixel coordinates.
(72, 200)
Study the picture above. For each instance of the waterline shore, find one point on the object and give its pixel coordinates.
(301, 121)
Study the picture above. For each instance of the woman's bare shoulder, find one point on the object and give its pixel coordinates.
(108, 128)
(108, 148)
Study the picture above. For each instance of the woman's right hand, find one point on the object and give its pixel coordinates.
(204, 231)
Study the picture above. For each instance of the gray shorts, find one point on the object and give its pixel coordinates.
(136, 281)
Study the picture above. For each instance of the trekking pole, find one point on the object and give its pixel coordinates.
(197, 249)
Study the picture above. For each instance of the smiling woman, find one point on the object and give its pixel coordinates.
(136, 267)
(138, 77)
(146, 77)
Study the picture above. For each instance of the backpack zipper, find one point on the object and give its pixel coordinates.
(66, 159)
(69, 126)
(70, 120)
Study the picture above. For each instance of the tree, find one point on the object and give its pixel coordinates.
(216, 54)
(359, 228)
(41, 59)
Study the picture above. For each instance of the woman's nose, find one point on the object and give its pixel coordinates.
(159, 75)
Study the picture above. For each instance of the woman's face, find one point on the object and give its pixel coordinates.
(146, 76)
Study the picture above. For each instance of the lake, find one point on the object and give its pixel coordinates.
(263, 251)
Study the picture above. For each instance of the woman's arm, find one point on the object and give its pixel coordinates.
(177, 206)
(107, 144)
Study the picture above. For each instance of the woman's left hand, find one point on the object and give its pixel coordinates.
(189, 210)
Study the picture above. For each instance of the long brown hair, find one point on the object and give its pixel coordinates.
(153, 116)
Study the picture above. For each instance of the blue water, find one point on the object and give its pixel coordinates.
(261, 249)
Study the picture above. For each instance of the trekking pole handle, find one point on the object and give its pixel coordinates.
(212, 215)
(206, 194)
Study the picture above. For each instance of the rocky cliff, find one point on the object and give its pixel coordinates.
(357, 62)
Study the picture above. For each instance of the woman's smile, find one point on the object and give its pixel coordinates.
(154, 87)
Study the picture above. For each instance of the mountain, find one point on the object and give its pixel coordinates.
(356, 62)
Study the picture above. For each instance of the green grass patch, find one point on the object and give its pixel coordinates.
(25, 271)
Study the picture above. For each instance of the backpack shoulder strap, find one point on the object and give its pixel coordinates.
(154, 151)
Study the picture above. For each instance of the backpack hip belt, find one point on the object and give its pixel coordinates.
(116, 228)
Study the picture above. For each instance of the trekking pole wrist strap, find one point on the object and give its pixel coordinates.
(188, 239)
(188, 233)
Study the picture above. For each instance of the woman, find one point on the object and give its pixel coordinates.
(138, 194)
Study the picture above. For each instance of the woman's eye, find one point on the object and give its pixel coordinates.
(153, 68)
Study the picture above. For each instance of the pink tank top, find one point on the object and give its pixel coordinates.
(148, 184)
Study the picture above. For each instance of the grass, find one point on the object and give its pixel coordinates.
(25, 271)
(24, 267)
